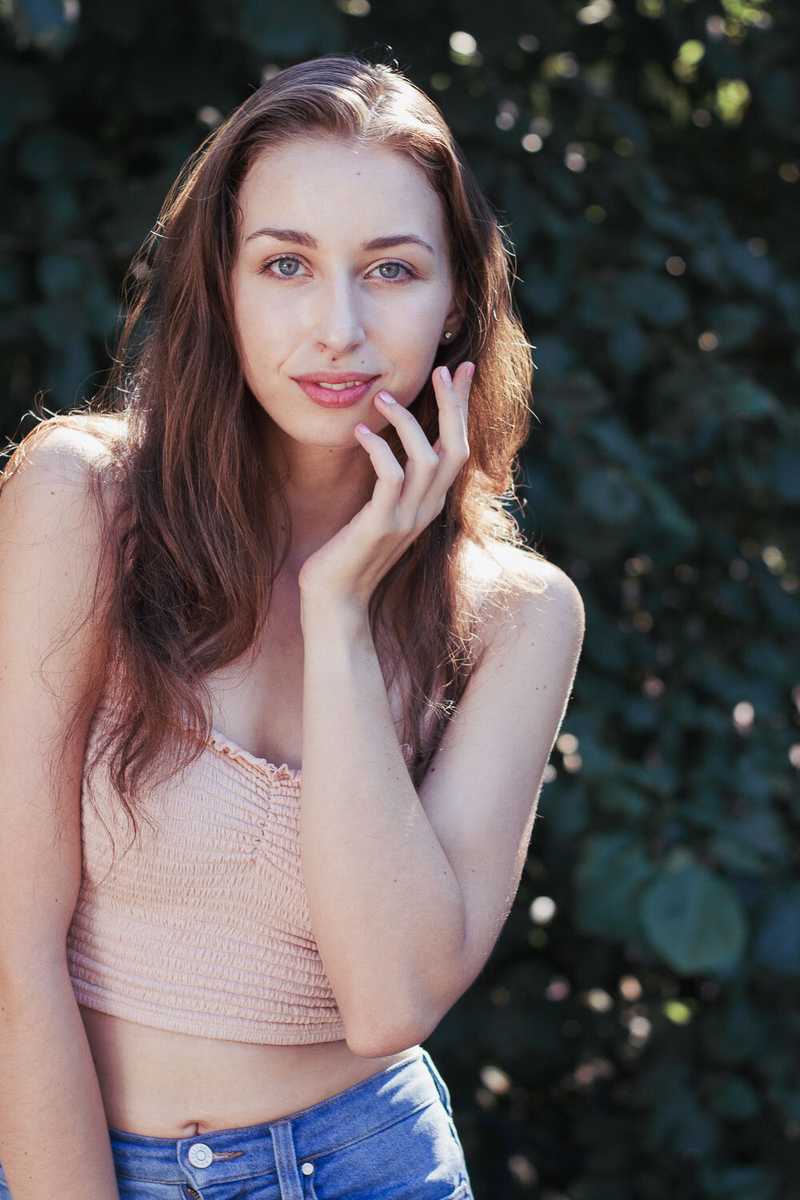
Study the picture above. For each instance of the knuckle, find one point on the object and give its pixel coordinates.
(406, 523)
(459, 453)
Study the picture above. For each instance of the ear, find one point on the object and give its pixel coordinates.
(455, 314)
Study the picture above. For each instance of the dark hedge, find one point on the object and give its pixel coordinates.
(635, 1033)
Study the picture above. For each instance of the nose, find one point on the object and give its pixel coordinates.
(338, 323)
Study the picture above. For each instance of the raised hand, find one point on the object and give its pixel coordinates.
(349, 566)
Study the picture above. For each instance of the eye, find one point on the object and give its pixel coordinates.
(281, 258)
(292, 258)
(409, 273)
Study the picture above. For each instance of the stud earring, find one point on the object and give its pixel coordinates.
(448, 333)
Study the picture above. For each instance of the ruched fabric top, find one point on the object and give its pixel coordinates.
(201, 926)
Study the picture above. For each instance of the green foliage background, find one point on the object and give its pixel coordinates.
(635, 1033)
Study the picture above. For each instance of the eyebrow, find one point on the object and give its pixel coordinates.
(305, 239)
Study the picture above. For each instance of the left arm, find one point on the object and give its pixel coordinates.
(408, 892)
(385, 904)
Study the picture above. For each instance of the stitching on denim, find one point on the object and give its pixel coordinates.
(138, 1179)
(441, 1087)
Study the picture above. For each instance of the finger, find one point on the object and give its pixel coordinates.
(452, 396)
(422, 462)
(390, 475)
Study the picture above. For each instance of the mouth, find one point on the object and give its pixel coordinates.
(330, 396)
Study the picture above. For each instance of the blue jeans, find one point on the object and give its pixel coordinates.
(389, 1137)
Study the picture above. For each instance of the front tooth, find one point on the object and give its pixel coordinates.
(337, 387)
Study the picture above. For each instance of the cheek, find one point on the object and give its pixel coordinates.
(415, 316)
(264, 328)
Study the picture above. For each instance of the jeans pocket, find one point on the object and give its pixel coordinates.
(413, 1156)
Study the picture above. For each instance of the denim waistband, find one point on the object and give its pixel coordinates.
(229, 1154)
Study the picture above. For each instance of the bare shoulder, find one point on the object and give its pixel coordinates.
(64, 467)
(90, 436)
(66, 446)
(519, 590)
(52, 491)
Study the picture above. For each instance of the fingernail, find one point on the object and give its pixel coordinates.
(385, 398)
(470, 371)
(444, 375)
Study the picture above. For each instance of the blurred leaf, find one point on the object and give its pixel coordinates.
(777, 941)
(629, 123)
(10, 282)
(736, 1032)
(543, 293)
(628, 347)
(783, 472)
(553, 356)
(676, 527)
(24, 99)
(60, 274)
(617, 797)
(735, 324)
(741, 1182)
(756, 273)
(750, 400)
(733, 1097)
(567, 817)
(694, 919)
(660, 301)
(611, 871)
(56, 153)
(617, 443)
(289, 28)
(607, 495)
(679, 1125)
(752, 844)
(44, 23)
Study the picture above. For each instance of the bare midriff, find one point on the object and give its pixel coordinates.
(162, 1084)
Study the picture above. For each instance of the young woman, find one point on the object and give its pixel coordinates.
(279, 527)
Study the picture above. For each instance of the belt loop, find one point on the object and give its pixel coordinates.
(291, 1187)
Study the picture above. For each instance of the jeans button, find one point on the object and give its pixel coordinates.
(307, 1168)
(200, 1155)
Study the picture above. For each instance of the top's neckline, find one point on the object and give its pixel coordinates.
(232, 748)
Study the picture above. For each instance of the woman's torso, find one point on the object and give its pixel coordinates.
(159, 1083)
(164, 1084)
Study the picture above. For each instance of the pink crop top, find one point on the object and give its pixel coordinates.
(202, 926)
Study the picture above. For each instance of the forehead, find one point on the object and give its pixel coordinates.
(331, 187)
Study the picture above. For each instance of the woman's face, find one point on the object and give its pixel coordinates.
(332, 304)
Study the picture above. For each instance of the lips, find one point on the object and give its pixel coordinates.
(336, 397)
(334, 377)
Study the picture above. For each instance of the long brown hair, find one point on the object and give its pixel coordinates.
(199, 526)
